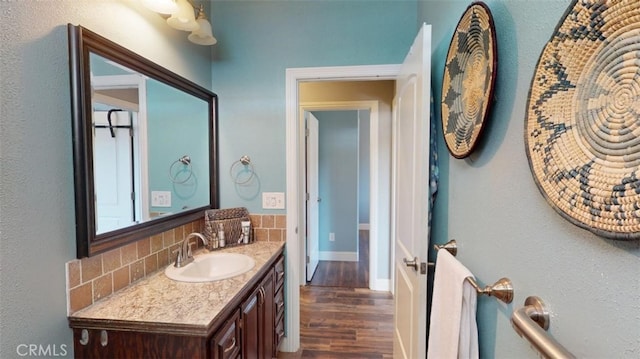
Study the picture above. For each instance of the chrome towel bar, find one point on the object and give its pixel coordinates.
(531, 323)
(501, 290)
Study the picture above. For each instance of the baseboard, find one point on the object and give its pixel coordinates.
(364, 226)
(338, 256)
(380, 284)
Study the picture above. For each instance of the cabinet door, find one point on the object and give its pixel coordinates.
(268, 309)
(251, 326)
(227, 343)
(258, 321)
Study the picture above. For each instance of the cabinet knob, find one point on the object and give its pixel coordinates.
(84, 337)
(104, 338)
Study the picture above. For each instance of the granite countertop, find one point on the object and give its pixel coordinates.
(159, 304)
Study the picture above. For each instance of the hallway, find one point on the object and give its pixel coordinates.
(345, 274)
(340, 317)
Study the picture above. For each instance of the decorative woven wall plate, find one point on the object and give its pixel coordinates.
(582, 127)
(468, 80)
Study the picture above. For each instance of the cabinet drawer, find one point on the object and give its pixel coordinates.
(279, 269)
(279, 333)
(227, 343)
(279, 302)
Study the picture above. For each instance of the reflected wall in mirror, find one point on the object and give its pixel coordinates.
(145, 146)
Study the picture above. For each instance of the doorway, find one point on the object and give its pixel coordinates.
(295, 262)
(379, 178)
(124, 97)
(338, 175)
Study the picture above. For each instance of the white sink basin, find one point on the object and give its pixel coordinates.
(211, 267)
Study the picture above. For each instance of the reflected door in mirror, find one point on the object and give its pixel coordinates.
(113, 147)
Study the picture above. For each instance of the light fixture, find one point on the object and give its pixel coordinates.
(183, 19)
(166, 7)
(203, 35)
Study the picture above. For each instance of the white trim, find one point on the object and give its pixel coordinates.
(364, 226)
(295, 204)
(380, 284)
(339, 256)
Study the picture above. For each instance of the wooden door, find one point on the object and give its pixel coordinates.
(411, 198)
(313, 197)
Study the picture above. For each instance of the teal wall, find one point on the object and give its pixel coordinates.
(505, 228)
(489, 202)
(257, 41)
(37, 220)
(338, 179)
(178, 125)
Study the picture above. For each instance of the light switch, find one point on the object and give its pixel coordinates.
(273, 200)
(160, 198)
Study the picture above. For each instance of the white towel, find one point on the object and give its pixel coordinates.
(453, 330)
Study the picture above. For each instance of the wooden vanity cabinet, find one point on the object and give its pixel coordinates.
(252, 328)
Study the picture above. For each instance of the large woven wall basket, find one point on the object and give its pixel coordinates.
(468, 80)
(582, 127)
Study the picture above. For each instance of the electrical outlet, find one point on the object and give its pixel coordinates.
(332, 237)
(160, 198)
(273, 200)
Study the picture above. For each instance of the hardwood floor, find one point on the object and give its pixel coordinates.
(345, 274)
(344, 323)
(340, 317)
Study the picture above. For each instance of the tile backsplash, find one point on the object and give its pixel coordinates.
(93, 278)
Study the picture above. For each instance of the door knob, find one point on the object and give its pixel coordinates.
(411, 263)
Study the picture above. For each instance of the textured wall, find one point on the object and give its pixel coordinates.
(504, 227)
(338, 179)
(258, 40)
(36, 192)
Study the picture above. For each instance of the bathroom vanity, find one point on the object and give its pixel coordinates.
(239, 317)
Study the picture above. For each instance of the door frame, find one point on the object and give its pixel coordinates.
(372, 107)
(295, 185)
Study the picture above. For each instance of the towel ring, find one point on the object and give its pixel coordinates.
(248, 166)
(185, 160)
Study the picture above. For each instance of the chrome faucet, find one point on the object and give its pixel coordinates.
(184, 255)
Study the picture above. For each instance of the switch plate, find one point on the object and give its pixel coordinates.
(332, 237)
(273, 200)
(160, 198)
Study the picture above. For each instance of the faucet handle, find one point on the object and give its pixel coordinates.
(178, 253)
(190, 250)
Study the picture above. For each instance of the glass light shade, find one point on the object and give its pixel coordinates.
(184, 19)
(166, 7)
(203, 36)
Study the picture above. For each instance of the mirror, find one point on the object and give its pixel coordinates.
(144, 145)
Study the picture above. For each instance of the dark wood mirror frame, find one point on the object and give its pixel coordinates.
(82, 42)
